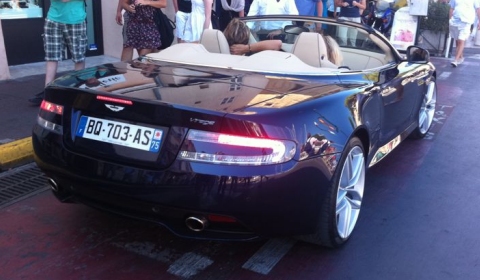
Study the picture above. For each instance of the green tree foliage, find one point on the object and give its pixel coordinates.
(437, 18)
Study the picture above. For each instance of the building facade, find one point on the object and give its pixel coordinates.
(21, 29)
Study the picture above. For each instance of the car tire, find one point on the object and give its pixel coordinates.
(341, 206)
(426, 112)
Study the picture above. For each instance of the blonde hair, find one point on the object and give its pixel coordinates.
(237, 32)
(333, 50)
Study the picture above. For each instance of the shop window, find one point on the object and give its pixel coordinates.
(20, 9)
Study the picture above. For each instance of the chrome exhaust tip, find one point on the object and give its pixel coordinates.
(196, 223)
(53, 185)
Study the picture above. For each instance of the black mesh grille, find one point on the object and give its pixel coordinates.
(20, 183)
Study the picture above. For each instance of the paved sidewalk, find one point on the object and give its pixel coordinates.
(17, 116)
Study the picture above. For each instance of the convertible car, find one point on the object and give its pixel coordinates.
(238, 147)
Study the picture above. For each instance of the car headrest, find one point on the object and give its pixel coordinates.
(214, 41)
(310, 47)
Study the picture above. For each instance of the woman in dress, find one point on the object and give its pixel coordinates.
(142, 32)
(200, 18)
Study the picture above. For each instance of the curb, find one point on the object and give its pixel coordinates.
(16, 153)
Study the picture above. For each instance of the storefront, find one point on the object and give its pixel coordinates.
(22, 26)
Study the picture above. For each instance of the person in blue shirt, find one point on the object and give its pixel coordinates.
(65, 25)
(349, 11)
(309, 7)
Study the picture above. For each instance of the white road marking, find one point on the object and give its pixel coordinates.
(269, 255)
(189, 264)
(444, 75)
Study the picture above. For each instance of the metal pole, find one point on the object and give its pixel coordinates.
(448, 43)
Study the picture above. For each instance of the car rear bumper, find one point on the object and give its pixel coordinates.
(284, 203)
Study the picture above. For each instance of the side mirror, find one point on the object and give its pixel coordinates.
(417, 55)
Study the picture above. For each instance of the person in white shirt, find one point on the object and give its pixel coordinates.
(462, 16)
(271, 7)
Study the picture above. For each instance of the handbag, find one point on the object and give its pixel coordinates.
(165, 27)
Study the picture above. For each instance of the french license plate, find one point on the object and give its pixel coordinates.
(118, 133)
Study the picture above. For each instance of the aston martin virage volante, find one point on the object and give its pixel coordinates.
(238, 147)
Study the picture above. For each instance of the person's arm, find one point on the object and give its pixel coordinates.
(127, 6)
(361, 5)
(320, 8)
(175, 5)
(240, 49)
(478, 18)
(118, 17)
(208, 13)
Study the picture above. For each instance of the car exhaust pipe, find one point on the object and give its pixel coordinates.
(53, 185)
(60, 192)
(196, 223)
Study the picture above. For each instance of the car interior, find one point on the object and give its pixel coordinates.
(303, 51)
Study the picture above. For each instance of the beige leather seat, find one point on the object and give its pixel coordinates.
(214, 41)
(310, 48)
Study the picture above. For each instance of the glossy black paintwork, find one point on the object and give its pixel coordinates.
(375, 105)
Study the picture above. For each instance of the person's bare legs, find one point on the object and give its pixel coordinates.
(127, 54)
(50, 71)
(79, 65)
(460, 45)
(52, 66)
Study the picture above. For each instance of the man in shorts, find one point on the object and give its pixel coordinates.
(462, 16)
(183, 9)
(65, 25)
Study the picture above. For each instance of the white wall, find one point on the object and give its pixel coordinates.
(112, 34)
(4, 71)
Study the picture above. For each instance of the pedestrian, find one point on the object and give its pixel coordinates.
(462, 16)
(271, 29)
(309, 7)
(142, 32)
(200, 18)
(127, 52)
(332, 12)
(64, 26)
(227, 10)
(183, 9)
(349, 11)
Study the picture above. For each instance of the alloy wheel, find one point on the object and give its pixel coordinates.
(350, 192)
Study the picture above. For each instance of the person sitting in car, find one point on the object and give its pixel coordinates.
(237, 34)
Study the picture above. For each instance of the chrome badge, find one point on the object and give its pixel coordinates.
(114, 108)
(203, 122)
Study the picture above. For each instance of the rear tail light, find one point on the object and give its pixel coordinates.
(50, 116)
(209, 147)
(51, 107)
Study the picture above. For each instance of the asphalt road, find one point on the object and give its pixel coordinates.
(420, 217)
